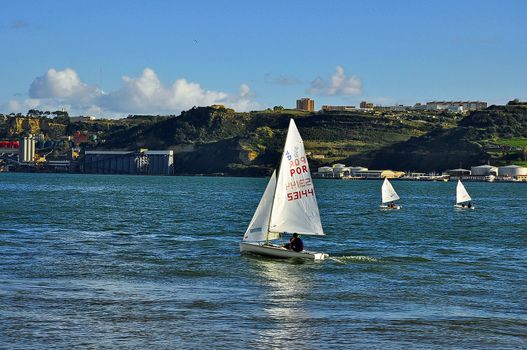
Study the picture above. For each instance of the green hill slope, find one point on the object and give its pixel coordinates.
(497, 135)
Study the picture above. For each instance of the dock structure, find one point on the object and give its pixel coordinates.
(142, 162)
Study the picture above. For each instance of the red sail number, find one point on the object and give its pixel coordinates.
(292, 196)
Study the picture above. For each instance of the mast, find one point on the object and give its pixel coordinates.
(274, 192)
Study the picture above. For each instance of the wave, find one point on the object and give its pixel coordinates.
(353, 258)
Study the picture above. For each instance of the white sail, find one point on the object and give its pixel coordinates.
(462, 195)
(388, 193)
(259, 226)
(295, 206)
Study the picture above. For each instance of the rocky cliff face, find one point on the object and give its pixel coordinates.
(23, 125)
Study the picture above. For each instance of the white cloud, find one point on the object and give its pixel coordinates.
(15, 106)
(144, 94)
(61, 84)
(338, 85)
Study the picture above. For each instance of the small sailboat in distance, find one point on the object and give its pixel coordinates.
(389, 196)
(463, 199)
(287, 206)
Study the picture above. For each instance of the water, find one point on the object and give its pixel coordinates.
(153, 262)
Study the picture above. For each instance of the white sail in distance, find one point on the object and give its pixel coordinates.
(388, 193)
(462, 195)
(259, 227)
(295, 207)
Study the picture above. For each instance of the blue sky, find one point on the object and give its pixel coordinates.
(112, 58)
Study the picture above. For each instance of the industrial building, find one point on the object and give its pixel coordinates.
(26, 151)
(512, 173)
(379, 174)
(484, 170)
(141, 162)
(458, 172)
(341, 171)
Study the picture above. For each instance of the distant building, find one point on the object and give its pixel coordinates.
(379, 174)
(79, 137)
(458, 172)
(512, 171)
(129, 162)
(396, 108)
(484, 170)
(305, 104)
(341, 171)
(366, 105)
(82, 119)
(460, 106)
(327, 108)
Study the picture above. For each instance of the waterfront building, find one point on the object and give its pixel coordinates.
(337, 171)
(356, 169)
(305, 104)
(458, 172)
(141, 162)
(481, 173)
(484, 170)
(513, 171)
(379, 174)
(324, 172)
(341, 170)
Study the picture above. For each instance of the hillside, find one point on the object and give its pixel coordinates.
(209, 140)
(497, 135)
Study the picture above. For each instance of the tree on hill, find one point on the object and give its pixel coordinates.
(516, 102)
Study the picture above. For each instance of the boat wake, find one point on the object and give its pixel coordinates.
(353, 259)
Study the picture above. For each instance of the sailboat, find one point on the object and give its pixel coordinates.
(288, 206)
(463, 199)
(389, 196)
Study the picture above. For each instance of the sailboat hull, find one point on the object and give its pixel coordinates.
(459, 206)
(275, 251)
(387, 207)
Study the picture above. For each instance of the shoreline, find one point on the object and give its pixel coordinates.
(450, 179)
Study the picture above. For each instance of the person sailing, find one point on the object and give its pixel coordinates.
(295, 243)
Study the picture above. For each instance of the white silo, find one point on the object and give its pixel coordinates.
(325, 169)
(512, 171)
(26, 151)
(483, 170)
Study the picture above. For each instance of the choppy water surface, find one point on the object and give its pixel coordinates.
(123, 261)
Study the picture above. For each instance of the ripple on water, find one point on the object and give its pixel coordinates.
(133, 262)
